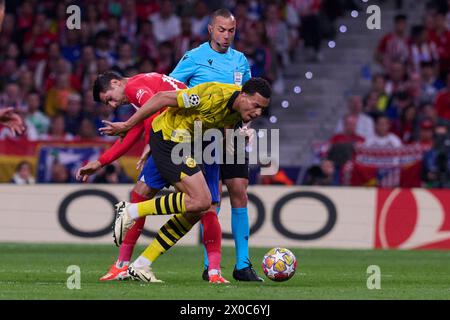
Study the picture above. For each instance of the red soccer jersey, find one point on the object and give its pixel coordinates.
(138, 91)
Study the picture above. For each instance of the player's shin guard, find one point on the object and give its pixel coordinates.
(212, 239)
(167, 236)
(127, 246)
(170, 204)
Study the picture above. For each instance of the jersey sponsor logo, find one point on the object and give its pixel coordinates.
(139, 95)
(210, 61)
(194, 100)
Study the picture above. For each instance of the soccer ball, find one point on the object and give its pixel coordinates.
(279, 264)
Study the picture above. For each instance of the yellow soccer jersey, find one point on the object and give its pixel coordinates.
(210, 102)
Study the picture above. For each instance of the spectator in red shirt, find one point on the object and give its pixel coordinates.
(443, 102)
(25, 16)
(37, 40)
(349, 134)
(441, 37)
(394, 46)
(342, 145)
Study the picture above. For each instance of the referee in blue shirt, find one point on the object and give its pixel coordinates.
(217, 61)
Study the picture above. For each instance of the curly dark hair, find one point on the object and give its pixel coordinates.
(258, 85)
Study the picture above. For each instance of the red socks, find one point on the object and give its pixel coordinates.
(126, 248)
(212, 239)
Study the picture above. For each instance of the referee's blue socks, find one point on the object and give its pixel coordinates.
(240, 229)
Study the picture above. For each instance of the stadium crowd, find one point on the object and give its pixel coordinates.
(408, 102)
(48, 70)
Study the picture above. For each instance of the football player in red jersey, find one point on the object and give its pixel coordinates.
(113, 90)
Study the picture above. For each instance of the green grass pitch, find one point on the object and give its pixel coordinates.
(38, 271)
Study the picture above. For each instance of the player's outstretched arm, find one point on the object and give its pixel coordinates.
(118, 149)
(156, 103)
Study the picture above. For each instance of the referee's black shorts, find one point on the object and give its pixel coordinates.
(231, 171)
(236, 169)
(162, 155)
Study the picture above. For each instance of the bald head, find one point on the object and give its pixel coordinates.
(222, 29)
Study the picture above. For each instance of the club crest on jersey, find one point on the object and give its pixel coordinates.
(190, 162)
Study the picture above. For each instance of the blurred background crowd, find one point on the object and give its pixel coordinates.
(48, 70)
(408, 102)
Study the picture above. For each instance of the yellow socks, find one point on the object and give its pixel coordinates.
(170, 204)
(168, 236)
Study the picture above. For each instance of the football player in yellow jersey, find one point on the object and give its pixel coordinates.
(216, 105)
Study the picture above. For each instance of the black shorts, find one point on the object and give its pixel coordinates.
(235, 169)
(162, 155)
(230, 171)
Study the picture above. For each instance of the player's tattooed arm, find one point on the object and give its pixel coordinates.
(156, 103)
